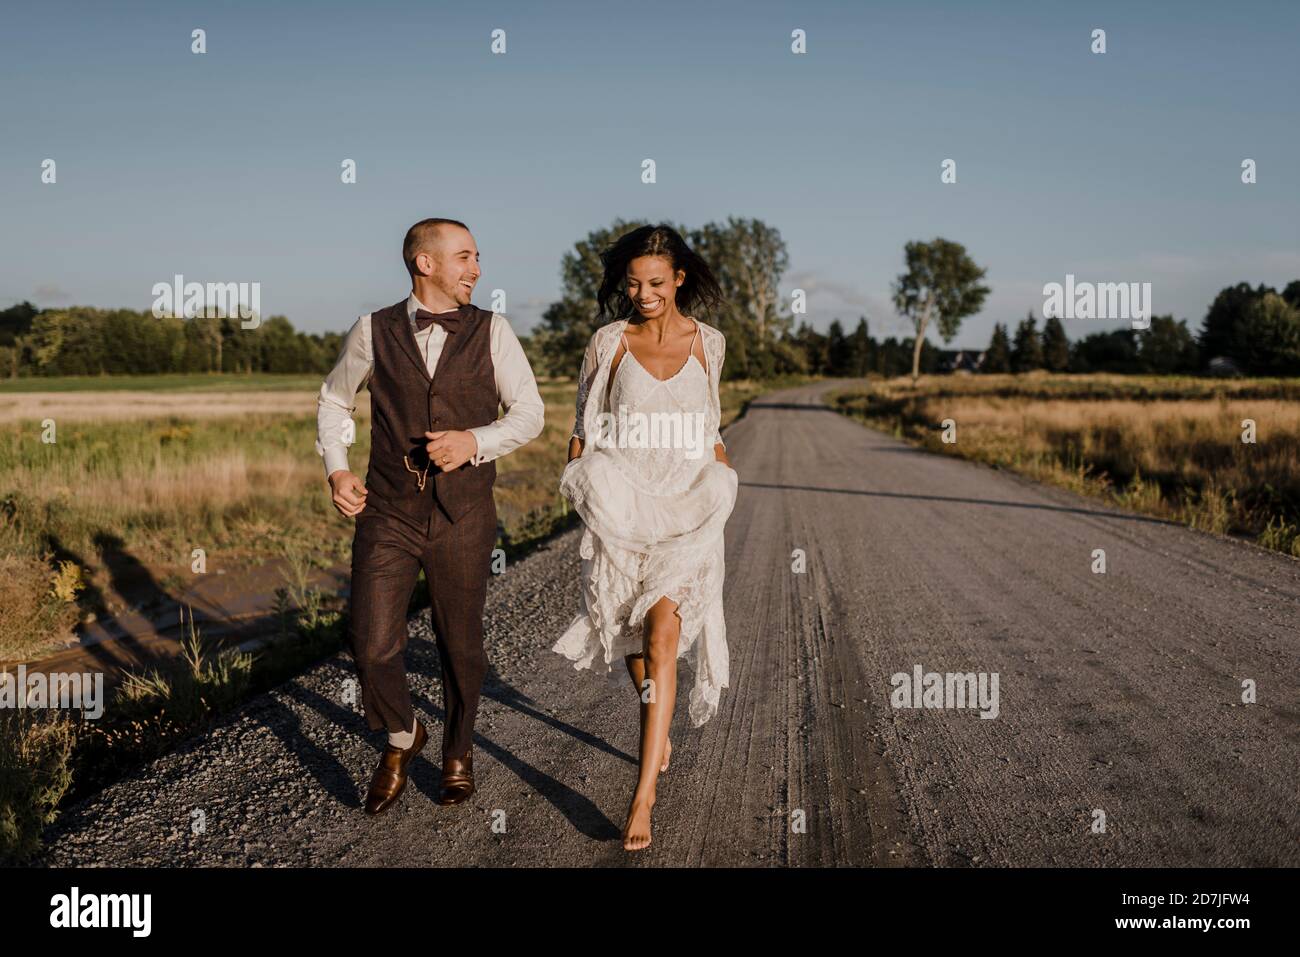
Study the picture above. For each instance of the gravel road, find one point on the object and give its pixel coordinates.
(1119, 694)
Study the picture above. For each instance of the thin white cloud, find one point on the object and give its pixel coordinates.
(830, 299)
(51, 292)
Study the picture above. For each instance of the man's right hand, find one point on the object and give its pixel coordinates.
(349, 494)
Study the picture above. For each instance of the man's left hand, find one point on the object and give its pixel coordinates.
(451, 449)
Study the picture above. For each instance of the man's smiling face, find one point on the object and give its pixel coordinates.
(451, 262)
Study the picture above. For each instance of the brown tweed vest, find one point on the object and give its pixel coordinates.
(405, 403)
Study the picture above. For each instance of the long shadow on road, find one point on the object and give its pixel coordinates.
(1119, 516)
(577, 808)
(338, 782)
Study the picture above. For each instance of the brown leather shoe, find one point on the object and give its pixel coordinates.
(389, 780)
(457, 779)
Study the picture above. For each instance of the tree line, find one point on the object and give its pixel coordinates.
(1251, 330)
(87, 341)
(1256, 330)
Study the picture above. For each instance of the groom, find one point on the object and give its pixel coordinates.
(438, 368)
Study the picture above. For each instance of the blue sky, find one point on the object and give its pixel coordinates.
(1123, 166)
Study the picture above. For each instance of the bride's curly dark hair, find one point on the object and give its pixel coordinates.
(698, 289)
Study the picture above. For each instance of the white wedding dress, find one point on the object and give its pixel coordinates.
(653, 516)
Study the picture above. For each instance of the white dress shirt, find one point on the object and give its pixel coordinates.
(516, 387)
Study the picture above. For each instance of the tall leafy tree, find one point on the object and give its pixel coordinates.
(568, 323)
(1167, 347)
(941, 284)
(1267, 340)
(749, 257)
(1219, 328)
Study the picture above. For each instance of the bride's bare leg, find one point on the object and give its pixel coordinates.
(662, 630)
(636, 668)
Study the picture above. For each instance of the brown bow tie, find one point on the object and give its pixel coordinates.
(449, 320)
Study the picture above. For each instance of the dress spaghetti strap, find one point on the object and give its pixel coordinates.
(692, 349)
(689, 352)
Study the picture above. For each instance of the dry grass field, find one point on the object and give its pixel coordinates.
(141, 477)
(1173, 447)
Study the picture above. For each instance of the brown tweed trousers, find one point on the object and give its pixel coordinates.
(448, 528)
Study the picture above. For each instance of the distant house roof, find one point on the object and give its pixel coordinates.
(960, 360)
(1222, 365)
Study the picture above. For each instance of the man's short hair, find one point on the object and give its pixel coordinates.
(419, 236)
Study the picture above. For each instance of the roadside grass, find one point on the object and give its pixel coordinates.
(50, 759)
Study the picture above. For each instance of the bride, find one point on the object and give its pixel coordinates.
(648, 474)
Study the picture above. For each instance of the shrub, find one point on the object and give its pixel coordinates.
(34, 774)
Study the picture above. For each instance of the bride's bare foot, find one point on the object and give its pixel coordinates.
(668, 753)
(636, 832)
